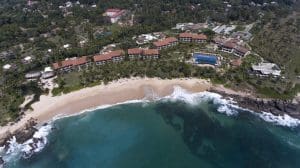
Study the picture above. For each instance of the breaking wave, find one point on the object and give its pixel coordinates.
(225, 106)
(28, 148)
(229, 107)
(36, 144)
(283, 120)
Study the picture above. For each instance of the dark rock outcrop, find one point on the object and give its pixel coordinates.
(274, 106)
(21, 135)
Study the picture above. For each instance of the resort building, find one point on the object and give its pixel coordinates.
(266, 69)
(242, 35)
(71, 64)
(218, 40)
(190, 26)
(202, 58)
(240, 51)
(33, 75)
(145, 38)
(101, 59)
(192, 37)
(136, 53)
(63, 66)
(232, 47)
(81, 63)
(48, 74)
(166, 43)
(114, 56)
(151, 54)
(114, 14)
(227, 47)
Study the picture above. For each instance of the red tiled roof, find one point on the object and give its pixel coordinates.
(193, 36)
(70, 62)
(151, 52)
(165, 41)
(241, 49)
(80, 60)
(113, 10)
(101, 57)
(107, 56)
(135, 51)
(66, 63)
(218, 40)
(185, 35)
(118, 13)
(233, 40)
(200, 37)
(229, 44)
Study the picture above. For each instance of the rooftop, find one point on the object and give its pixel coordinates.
(107, 56)
(135, 51)
(70, 62)
(143, 51)
(241, 49)
(229, 44)
(193, 36)
(6, 66)
(33, 75)
(48, 69)
(28, 58)
(151, 52)
(267, 69)
(113, 10)
(165, 41)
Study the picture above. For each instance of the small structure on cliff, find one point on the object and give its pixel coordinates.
(266, 69)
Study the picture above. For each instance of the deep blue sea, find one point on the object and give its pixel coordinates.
(179, 132)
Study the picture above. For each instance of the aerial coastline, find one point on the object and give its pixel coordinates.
(115, 92)
(50, 107)
(129, 81)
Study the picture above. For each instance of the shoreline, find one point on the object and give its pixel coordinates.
(49, 108)
(123, 90)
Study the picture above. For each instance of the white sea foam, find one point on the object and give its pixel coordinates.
(226, 106)
(229, 107)
(39, 139)
(38, 142)
(28, 148)
(283, 120)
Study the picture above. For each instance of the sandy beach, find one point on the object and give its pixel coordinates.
(115, 92)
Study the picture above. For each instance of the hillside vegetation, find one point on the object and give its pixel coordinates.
(279, 42)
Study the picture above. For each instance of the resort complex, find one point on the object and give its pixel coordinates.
(151, 83)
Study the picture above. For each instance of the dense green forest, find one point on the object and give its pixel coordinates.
(278, 40)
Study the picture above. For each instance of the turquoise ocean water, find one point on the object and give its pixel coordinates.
(167, 134)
